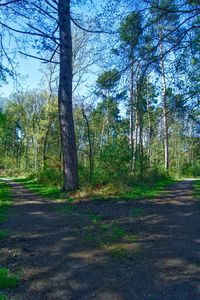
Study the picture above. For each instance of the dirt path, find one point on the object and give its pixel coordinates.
(146, 250)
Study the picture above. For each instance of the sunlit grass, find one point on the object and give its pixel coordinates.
(43, 190)
(5, 201)
(124, 250)
(104, 192)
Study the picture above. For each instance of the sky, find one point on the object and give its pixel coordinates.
(29, 69)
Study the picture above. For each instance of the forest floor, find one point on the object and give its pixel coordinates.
(103, 250)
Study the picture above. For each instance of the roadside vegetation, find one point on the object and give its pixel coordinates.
(8, 280)
(5, 201)
(134, 191)
(197, 188)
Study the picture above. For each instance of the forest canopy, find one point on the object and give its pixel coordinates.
(119, 99)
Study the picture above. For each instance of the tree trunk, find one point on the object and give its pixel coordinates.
(70, 161)
(136, 117)
(141, 145)
(164, 103)
(150, 128)
(131, 114)
(90, 144)
(44, 152)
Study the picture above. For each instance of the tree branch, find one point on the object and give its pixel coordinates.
(90, 30)
(44, 60)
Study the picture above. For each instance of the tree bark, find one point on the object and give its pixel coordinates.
(150, 128)
(141, 144)
(70, 161)
(44, 152)
(135, 139)
(164, 104)
(90, 144)
(131, 115)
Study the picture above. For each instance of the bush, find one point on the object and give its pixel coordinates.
(50, 176)
(189, 170)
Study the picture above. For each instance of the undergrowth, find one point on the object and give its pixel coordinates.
(132, 191)
(196, 186)
(7, 279)
(5, 201)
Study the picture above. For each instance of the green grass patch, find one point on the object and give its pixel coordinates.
(94, 218)
(43, 190)
(137, 212)
(7, 279)
(147, 190)
(130, 251)
(3, 297)
(66, 209)
(4, 234)
(137, 190)
(5, 201)
(196, 186)
(102, 234)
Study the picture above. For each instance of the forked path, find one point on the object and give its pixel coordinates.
(59, 260)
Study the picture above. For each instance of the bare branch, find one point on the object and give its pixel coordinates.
(90, 30)
(52, 6)
(39, 58)
(9, 2)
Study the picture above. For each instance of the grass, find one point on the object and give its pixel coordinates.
(4, 233)
(7, 279)
(43, 190)
(130, 251)
(5, 201)
(196, 186)
(104, 192)
(137, 212)
(3, 297)
(147, 190)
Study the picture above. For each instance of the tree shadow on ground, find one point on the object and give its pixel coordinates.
(106, 250)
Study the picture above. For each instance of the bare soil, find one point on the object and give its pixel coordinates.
(105, 250)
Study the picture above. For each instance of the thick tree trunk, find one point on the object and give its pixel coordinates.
(70, 162)
(164, 103)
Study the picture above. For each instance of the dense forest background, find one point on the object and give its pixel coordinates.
(136, 96)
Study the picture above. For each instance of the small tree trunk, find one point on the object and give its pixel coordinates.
(27, 155)
(164, 103)
(102, 133)
(149, 127)
(70, 161)
(44, 152)
(90, 144)
(136, 117)
(131, 115)
(141, 146)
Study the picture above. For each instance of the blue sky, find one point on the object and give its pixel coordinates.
(29, 69)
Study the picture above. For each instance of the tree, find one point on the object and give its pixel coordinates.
(70, 161)
(130, 30)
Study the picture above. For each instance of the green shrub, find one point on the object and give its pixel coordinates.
(50, 176)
